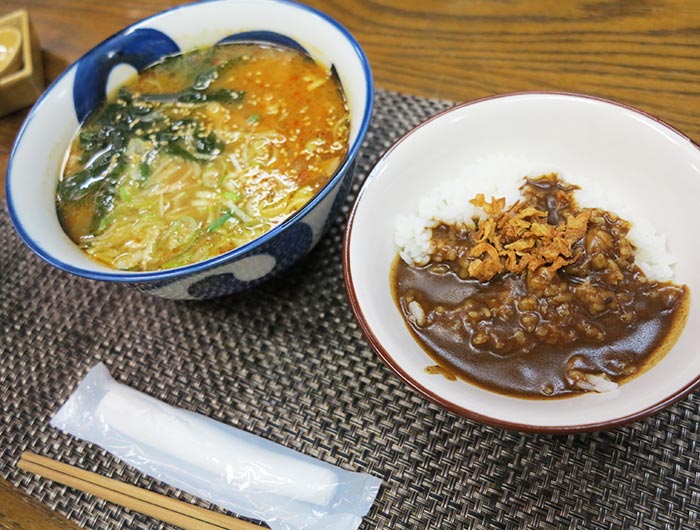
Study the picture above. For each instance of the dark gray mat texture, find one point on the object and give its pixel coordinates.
(287, 361)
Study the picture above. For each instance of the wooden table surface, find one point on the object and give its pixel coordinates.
(645, 53)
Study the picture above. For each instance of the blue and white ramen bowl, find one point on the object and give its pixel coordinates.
(38, 154)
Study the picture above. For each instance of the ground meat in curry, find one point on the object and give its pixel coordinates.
(541, 298)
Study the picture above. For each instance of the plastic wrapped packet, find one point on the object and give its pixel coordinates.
(234, 469)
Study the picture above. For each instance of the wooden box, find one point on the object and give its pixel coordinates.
(22, 88)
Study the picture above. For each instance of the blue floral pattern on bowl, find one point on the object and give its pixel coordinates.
(84, 85)
(141, 48)
(264, 36)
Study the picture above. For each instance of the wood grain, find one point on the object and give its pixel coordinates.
(645, 53)
(20, 512)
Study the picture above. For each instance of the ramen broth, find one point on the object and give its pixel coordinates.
(201, 154)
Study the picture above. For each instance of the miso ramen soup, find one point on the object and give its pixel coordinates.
(200, 154)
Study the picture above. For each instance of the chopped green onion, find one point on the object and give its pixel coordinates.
(220, 221)
(181, 232)
(145, 170)
(232, 195)
(124, 194)
(253, 118)
(103, 223)
(184, 257)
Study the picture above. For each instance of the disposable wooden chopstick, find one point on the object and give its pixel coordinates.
(134, 498)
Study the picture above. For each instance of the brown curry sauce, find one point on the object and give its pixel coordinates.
(538, 325)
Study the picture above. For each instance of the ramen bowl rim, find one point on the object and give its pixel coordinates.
(120, 276)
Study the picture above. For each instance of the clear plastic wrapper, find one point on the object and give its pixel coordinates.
(234, 469)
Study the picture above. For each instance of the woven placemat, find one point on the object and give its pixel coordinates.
(287, 361)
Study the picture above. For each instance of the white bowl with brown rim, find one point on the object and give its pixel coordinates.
(654, 169)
